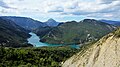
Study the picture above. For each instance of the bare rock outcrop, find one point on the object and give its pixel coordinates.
(104, 53)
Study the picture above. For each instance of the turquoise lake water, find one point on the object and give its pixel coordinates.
(34, 40)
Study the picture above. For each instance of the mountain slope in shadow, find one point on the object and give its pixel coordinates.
(12, 35)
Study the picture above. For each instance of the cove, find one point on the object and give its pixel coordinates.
(34, 40)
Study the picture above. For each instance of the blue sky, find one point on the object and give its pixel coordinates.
(61, 10)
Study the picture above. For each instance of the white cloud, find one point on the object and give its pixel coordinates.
(105, 1)
(4, 5)
(95, 8)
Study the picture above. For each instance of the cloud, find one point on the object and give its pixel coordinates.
(55, 9)
(93, 8)
(106, 1)
(96, 9)
(4, 5)
(71, 4)
(53, 6)
(20, 0)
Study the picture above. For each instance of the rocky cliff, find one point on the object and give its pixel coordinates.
(104, 53)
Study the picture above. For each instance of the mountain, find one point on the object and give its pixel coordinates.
(12, 35)
(27, 23)
(116, 23)
(77, 32)
(42, 31)
(104, 53)
(52, 22)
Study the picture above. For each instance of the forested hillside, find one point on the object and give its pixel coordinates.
(73, 32)
(35, 57)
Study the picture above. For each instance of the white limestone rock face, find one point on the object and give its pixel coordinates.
(104, 53)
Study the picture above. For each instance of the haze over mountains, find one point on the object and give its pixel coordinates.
(27, 23)
(116, 23)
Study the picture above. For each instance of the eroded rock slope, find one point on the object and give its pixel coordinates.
(104, 53)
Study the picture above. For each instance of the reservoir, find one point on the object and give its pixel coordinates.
(35, 41)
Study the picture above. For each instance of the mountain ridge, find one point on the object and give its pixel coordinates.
(25, 22)
(12, 35)
(116, 23)
(70, 32)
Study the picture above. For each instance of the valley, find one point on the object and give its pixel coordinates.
(59, 33)
(65, 34)
(27, 42)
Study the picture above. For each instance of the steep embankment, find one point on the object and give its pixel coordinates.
(104, 53)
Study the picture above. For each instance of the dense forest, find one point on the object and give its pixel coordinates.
(35, 57)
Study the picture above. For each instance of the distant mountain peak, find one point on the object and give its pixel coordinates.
(51, 20)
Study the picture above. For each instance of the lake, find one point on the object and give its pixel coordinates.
(35, 41)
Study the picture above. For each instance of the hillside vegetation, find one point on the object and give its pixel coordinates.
(35, 57)
(73, 32)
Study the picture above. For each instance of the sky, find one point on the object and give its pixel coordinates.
(62, 10)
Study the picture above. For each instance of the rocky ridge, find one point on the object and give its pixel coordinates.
(104, 53)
